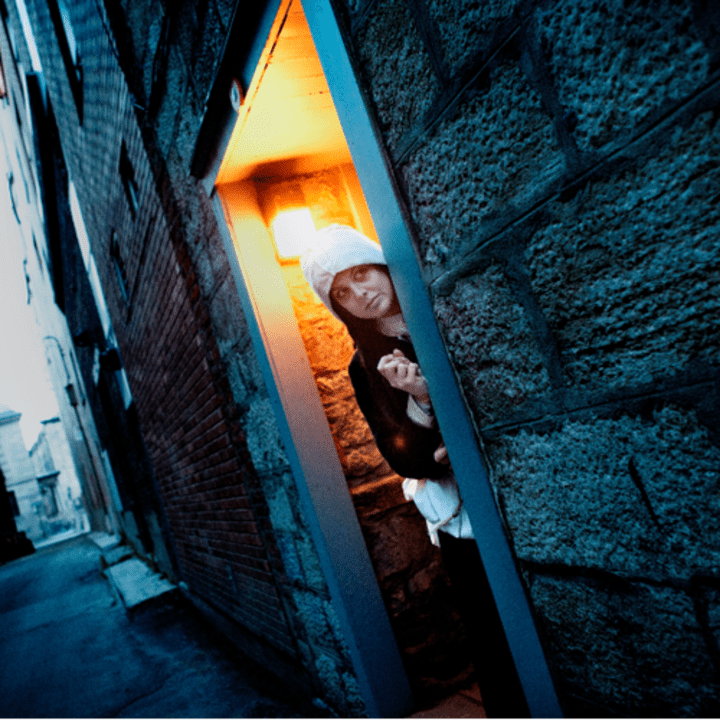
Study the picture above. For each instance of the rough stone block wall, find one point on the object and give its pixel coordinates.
(221, 475)
(408, 568)
(464, 145)
(626, 272)
(558, 163)
(615, 64)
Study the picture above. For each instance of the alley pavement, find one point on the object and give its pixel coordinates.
(69, 648)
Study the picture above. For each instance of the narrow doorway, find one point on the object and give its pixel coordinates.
(288, 172)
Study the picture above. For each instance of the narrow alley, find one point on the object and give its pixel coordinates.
(485, 481)
(71, 649)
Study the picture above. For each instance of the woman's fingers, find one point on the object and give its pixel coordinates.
(387, 360)
(395, 355)
(388, 368)
(402, 374)
(441, 454)
(399, 368)
(392, 364)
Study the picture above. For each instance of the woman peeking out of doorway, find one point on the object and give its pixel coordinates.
(349, 274)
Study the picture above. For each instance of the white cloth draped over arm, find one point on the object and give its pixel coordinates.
(439, 503)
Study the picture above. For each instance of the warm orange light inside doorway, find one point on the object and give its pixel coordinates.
(287, 122)
(293, 231)
(289, 145)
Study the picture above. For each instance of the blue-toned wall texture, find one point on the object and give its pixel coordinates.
(558, 161)
(232, 521)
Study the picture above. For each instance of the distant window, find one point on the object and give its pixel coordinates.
(13, 503)
(119, 265)
(50, 505)
(37, 253)
(18, 116)
(13, 42)
(22, 175)
(27, 281)
(13, 203)
(29, 36)
(88, 258)
(127, 175)
(69, 32)
(197, 22)
(69, 49)
(76, 370)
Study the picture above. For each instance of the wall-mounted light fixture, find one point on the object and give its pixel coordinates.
(294, 232)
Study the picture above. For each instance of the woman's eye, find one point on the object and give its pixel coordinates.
(340, 294)
(360, 273)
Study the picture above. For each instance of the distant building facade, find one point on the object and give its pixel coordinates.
(21, 482)
(14, 544)
(43, 491)
(541, 176)
(62, 495)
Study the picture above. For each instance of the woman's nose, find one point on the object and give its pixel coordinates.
(358, 290)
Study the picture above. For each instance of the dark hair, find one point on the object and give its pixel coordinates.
(357, 327)
(365, 334)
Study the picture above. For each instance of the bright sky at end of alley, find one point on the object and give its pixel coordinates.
(24, 383)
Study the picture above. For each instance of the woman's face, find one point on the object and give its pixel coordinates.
(366, 292)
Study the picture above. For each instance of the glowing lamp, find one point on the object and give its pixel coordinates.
(294, 232)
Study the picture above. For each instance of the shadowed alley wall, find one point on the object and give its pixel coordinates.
(557, 162)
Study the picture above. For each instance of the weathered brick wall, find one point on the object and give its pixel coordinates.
(412, 581)
(559, 168)
(227, 495)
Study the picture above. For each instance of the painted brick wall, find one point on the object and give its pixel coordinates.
(227, 500)
(559, 168)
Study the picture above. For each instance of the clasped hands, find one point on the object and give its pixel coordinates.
(402, 374)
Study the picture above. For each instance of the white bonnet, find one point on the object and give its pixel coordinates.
(337, 248)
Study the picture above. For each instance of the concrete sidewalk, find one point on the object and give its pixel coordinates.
(135, 584)
(59, 537)
(133, 581)
(70, 648)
